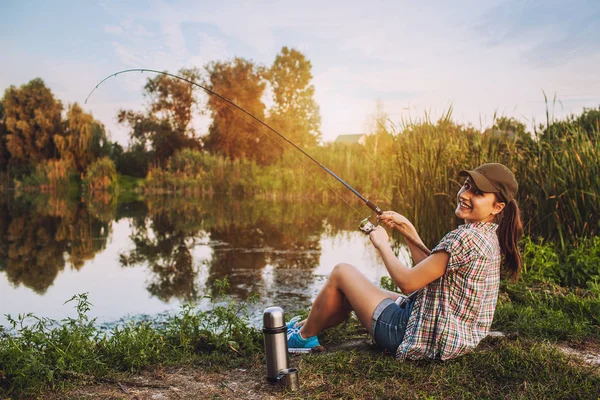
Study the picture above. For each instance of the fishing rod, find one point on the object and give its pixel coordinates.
(365, 226)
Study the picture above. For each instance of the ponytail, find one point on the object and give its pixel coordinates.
(510, 231)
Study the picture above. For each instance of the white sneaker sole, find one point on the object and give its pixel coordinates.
(300, 350)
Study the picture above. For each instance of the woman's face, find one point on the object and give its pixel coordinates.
(475, 205)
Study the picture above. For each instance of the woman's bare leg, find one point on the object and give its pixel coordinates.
(346, 289)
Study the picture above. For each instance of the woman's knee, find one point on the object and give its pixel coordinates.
(343, 270)
(344, 274)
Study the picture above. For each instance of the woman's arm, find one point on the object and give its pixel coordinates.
(409, 279)
(417, 248)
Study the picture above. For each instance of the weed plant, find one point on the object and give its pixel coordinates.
(46, 355)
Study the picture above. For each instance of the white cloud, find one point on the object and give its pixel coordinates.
(480, 57)
(113, 29)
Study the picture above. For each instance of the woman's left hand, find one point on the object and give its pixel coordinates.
(379, 236)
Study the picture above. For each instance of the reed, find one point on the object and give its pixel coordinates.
(558, 175)
(416, 173)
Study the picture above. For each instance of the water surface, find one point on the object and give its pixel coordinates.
(148, 257)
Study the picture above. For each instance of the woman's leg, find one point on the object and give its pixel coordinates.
(346, 289)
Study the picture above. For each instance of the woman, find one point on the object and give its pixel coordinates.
(454, 289)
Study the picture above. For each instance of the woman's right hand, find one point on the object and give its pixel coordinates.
(398, 221)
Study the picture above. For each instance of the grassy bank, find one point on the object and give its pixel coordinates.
(44, 357)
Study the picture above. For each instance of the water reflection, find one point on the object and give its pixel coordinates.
(40, 235)
(176, 247)
(244, 237)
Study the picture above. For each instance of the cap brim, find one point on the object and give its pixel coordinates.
(480, 181)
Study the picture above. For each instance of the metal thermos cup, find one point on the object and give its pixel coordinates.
(276, 350)
(288, 378)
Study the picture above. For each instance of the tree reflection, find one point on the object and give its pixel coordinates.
(164, 241)
(244, 237)
(40, 235)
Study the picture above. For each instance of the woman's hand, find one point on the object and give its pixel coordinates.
(394, 220)
(379, 237)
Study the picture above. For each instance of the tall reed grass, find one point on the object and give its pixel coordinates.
(558, 175)
(558, 169)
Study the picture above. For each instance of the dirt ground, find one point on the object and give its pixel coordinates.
(183, 383)
(189, 383)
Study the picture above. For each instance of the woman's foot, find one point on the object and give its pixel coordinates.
(298, 344)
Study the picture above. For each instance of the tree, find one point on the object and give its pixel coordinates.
(83, 139)
(173, 100)
(232, 133)
(4, 154)
(32, 118)
(295, 113)
(165, 126)
(380, 141)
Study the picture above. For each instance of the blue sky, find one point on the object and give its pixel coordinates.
(480, 57)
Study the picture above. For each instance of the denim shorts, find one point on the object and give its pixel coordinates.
(389, 323)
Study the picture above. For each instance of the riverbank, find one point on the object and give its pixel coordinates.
(548, 332)
(502, 367)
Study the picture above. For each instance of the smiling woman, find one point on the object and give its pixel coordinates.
(454, 289)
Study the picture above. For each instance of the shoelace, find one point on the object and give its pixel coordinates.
(293, 331)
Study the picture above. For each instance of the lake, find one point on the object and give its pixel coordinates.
(143, 258)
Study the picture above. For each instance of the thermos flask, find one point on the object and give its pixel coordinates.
(276, 349)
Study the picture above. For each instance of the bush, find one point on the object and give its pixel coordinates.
(102, 175)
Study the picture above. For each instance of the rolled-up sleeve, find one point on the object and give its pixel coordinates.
(458, 245)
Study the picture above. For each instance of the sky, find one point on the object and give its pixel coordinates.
(416, 58)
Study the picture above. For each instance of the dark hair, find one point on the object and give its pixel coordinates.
(510, 231)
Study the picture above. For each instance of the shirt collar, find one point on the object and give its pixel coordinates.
(485, 226)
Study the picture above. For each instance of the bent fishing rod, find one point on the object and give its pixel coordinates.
(365, 226)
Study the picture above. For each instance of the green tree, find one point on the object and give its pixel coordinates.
(589, 121)
(32, 117)
(165, 126)
(83, 139)
(232, 133)
(509, 127)
(295, 112)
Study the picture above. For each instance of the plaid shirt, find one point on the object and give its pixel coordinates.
(453, 313)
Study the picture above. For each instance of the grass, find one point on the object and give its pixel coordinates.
(549, 312)
(500, 368)
(128, 183)
(44, 356)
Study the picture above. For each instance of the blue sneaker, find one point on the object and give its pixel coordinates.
(292, 325)
(297, 344)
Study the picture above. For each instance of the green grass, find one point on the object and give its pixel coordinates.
(499, 368)
(128, 183)
(39, 355)
(44, 356)
(549, 312)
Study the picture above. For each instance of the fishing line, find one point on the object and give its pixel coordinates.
(369, 204)
(302, 162)
(365, 226)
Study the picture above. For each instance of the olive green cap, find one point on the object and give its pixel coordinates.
(494, 178)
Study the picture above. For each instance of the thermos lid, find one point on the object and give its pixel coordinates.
(273, 317)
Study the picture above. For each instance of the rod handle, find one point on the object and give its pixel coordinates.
(373, 207)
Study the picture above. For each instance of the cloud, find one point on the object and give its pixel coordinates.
(113, 30)
(549, 32)
(210, 48)
(128, 56)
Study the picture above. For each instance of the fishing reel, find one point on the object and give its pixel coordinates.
(366, 226)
